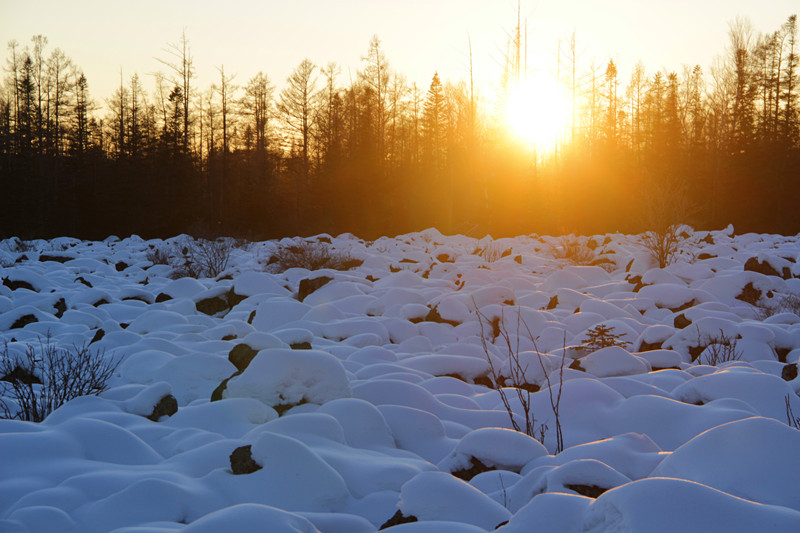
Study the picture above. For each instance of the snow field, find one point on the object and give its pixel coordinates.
(373, 400)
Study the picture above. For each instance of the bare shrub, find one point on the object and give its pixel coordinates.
(46, 377)
(787, 303)
(794, 421)
(663, 245)
(311, 256)
(158, 256)
(516, 379)
(573, 251)
(201, 258)
(493, 251)
(719, 349)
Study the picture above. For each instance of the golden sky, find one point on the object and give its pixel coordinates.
(418, 36)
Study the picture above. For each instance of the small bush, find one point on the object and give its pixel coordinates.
(493, 251)
(46, 377)
(571, 250)
(311, 256)
(788, 303)
(201, 258)
(663, 245)
(158, 256)
(720, 349)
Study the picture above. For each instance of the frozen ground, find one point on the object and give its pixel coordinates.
(390, 412)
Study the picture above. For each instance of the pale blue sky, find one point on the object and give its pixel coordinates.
(418, 36)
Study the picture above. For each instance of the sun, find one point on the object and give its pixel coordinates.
(537, 113)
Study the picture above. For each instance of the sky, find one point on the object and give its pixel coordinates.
(419, 37)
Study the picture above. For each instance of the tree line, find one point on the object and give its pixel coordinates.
(377, 155)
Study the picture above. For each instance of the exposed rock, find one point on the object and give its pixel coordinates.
(681, 321)
(166, 406)
(211, 306)
(300, 346)
(590, 491)
(241, 355)
(242, 461)
(308, 286)
(23, 321)
(56, 258)
(434, 316)
(476, 467)
(789, 372)
(21, 375)
(705, 256)
(162, 297)
(98, 335)
(553, 303)
(15, 284)
(754, 265)
(486, 381)
(397, 519)
(749, 294)
(60, 307)
(82, 280)
(650, 346)
(121, 265)
(683, 307)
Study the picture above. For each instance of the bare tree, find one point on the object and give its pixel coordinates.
(181, 67)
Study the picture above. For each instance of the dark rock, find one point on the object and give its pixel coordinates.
(80, 279)
(325, 240)
(135, 299)
(683, 307)
(434, 316)
(576, 365)
(590, 491)
(23, 321)
(553, 303)
(300, 346)
(15, 284)
(782, 353)
(397, 519)
(242, 461)
(241, 355)
(629, 265)
(476, 467)
(485, 381)
(21, 375)
(229, 337)
(60, 307)
(749, 294)
(695, 352)
(708, 239)
(163, 297)
(308, 286)
(251, 317)
(21, 259)
(754, 265)
(681, 321)
(518, 259)
(98, 335)
(212, 306)
(789, 372)
(704, 256)
(56, 258)
(166, 406)
(121, 265)
(234, 299)
(101, 301)
(444, 258)
(649, 347)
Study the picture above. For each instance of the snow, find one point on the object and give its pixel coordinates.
(392, 399)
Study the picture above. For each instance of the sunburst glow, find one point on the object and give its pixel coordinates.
(537, 112)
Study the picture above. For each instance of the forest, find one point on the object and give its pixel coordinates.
(376, 155)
